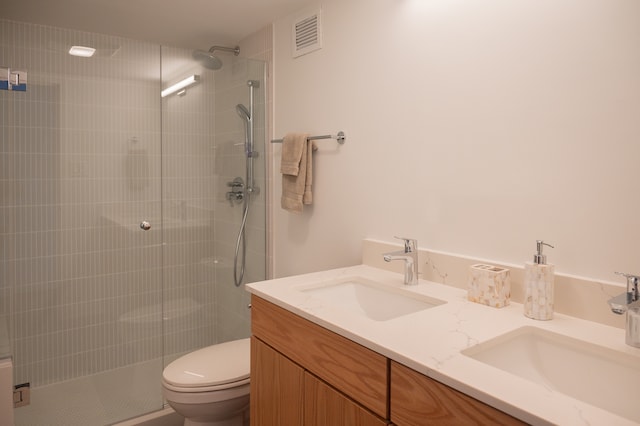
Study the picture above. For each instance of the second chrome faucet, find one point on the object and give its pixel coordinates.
(410, 257)
(629, 303)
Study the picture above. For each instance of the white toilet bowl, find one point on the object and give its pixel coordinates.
(210, 387)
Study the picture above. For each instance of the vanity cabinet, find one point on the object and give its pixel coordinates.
(304, 374)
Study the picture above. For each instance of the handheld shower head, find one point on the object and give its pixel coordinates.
(243, 112)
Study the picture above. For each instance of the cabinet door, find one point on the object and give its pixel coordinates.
(345, 365)
(277, 386)
(417, 400)
(324, 406)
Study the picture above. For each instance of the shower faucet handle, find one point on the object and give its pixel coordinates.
(234, 196)
(236, 184)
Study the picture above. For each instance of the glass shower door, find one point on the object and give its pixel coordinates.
(80, 279)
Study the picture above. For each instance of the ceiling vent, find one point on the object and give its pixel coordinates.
(307, 33)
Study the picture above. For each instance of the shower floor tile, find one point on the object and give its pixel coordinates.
(100, 399)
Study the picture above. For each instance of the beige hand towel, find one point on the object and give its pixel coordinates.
(292, 146)
(296, 190)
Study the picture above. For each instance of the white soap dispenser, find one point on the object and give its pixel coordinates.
(538, 286)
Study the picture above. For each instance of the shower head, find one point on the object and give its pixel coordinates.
(243, 112)
(209, 60)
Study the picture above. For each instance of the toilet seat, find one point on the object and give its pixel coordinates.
(174, 388)
(214, 368)
(195, 396)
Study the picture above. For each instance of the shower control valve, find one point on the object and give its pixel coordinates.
(237, 191)
(234, 196)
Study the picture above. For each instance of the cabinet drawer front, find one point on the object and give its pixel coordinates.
(417, 400)
(349, 367)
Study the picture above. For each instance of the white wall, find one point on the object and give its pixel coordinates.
(475, 127)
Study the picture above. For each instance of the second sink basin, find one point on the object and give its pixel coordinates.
(370, 299)
(593, 374)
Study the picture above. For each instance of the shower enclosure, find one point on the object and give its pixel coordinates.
(116, 235)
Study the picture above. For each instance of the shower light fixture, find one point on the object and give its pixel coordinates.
(83, 51)
(189, 81)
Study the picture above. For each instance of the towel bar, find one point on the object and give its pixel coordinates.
(340, 137)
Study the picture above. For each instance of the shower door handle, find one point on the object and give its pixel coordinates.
(145, 226)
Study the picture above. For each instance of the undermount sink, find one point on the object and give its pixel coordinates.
(590, 373)
(370, 299)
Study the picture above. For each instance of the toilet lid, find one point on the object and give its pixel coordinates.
(214, 365)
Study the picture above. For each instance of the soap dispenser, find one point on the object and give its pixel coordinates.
(538, 286)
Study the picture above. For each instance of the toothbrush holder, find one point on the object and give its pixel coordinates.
(489, 285)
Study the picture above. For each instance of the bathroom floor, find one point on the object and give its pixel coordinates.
(91, 401)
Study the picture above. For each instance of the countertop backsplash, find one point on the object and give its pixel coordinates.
(574, 296)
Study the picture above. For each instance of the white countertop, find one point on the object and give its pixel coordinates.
(430, 342)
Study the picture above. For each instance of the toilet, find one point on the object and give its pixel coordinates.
(210, 386)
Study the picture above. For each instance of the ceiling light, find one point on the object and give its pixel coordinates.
(193, 79)
(83, 51)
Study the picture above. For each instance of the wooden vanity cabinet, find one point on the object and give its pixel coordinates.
(304, 374)
(312, 374)
(417, 400)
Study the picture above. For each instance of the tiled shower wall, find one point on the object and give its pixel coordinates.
(188, 205)
(82, 152)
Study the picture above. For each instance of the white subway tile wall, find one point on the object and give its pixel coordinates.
(188, 192)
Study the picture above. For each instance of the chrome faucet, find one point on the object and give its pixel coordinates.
(410, 257)
(629, 302)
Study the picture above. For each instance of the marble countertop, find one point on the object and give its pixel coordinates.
(430, 341)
